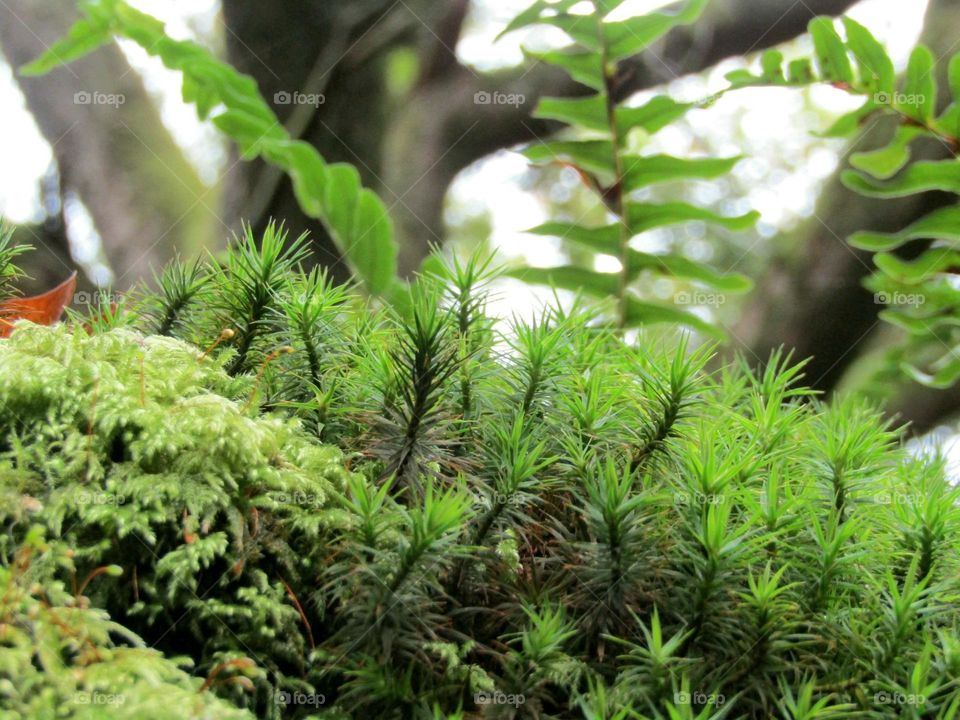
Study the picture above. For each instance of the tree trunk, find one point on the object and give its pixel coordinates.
(321, 65)
(111, 148)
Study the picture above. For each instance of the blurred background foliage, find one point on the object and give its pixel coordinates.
(120, 188)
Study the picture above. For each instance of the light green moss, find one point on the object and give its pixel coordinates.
(60, 658)
(139, 452)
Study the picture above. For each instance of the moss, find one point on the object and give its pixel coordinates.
(61, 658)
(604, 530)
(138, 452)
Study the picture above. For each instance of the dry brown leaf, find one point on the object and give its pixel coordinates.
(43, 309)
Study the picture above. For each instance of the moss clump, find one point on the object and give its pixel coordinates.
(61, 658)
(137, 452)
(541, 521)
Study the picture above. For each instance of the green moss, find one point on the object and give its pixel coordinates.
(137, 452)
(541, 520)
(61, 658)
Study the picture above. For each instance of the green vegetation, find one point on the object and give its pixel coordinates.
(918, 290)
(141, 456)
(539, 520)
(62, 658)
(248, 492)
(355, 217)
(604, 144)
(605, 136)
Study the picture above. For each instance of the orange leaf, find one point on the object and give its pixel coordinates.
(44, 309)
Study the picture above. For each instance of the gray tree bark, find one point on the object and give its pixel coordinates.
(110, 145)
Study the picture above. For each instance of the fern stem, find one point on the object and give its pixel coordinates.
(613, 195)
